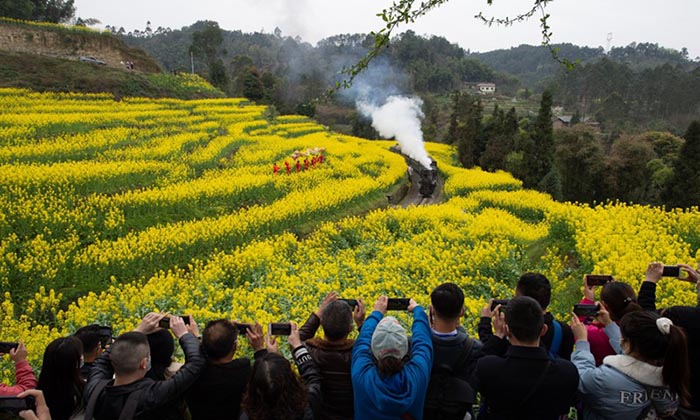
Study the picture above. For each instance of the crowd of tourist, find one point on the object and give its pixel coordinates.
(626, 360)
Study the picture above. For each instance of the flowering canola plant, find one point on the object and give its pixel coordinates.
(110, 210)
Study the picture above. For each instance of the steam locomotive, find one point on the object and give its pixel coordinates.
(427, 178)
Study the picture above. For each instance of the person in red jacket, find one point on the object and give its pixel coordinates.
(298, 166)
(288, 167)
(24, 376)
(275, 169)
(306, 164)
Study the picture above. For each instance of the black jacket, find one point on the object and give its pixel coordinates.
(333, 360)
(506, 382)
(687, 317)
(217, 394)
(308, 370)
(155, 394)
(447, 351)
(567, 337)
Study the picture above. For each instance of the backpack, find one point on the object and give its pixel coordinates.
(556, 340)
(448, 396)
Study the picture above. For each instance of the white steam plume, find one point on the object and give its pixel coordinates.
(400, 117)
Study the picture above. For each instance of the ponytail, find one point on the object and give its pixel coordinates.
(656, 340)
(676, 369)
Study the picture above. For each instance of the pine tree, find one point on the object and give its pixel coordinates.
(683, 189)
(539, 153)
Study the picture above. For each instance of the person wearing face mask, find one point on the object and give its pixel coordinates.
(647, 382)
(130, 395)
(60, 378)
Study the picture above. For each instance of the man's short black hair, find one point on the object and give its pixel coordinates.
(447, 300)
(336, 320)
(90, 336)
(127, 352)
(524, 318)
(219, 338)
(536, 286)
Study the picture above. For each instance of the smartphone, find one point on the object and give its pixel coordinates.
(398, 304)
(242, 327)
(671, 271)
(13, 405)
(351, 302)
(5, 346)
(165, 322)
(598, 279)
(586, 310)
(502, 302)
(279, 328)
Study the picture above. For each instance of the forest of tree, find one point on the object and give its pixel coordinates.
(56, 11)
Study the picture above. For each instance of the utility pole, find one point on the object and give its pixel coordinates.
(192, 61)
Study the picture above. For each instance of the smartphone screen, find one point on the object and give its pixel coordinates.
(502, 302)
(398, 304)
(671, 271)
(14, 405)
(598, 279)
(351, 302)
(586, 310)
(5, 347)
(242, 328)
(279, 328)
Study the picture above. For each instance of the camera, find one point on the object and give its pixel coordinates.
(242, 327)
(5, 346)
(671, 271)
(398, 304)
(598, 279)
(279, 328)
(165, 322)
(106, 338)
(502, 302)
(13, 405)
(351, 302)
(586, 310)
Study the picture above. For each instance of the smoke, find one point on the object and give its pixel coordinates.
(400, 118)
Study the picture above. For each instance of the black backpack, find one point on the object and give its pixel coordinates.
(450, 397)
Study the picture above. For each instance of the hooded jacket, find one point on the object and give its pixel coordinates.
(380, 397)
(622, 388)
(154, 394)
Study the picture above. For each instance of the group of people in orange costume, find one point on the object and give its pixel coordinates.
(311, 158)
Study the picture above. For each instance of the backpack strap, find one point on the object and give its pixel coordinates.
(90, 409)
(537, 384)
(129, 409)
(556, 340)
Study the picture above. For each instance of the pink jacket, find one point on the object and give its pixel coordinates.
(24, 379)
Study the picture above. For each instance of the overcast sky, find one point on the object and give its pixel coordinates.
(670, 23)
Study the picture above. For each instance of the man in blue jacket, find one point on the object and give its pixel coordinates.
(390, 381)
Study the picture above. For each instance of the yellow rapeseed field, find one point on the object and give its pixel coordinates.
(109, 210)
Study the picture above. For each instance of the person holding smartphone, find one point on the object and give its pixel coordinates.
(616, 299)
(687, 317)
(333, 353)
(24, 375)
(218, 392)
(389, 376)
(275, 391)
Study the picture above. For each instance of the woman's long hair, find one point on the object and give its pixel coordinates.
(60, 377)
(670, 350)
(162, 348)
(274, 392)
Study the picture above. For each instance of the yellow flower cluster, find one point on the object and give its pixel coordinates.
(114, 209)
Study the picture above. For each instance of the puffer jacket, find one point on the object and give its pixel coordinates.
(622, 388)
